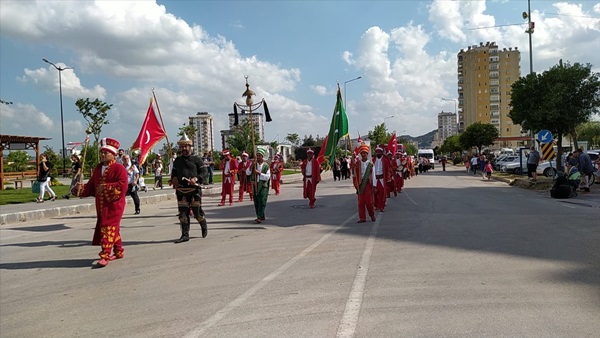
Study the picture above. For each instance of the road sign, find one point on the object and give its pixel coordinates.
(544, 136)
(548, 151)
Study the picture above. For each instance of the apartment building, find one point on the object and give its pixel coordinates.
(204, 138)
(485, 76)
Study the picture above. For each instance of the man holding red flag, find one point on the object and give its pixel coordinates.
(245, 184)
(150, 134)
(229, 166)
(311, 173)
(390, 183)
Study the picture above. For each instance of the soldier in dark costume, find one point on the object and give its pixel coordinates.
(186, 177)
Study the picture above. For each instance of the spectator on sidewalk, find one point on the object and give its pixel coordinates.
(75, 172)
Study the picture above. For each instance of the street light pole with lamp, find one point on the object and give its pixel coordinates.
(357, 78)
(62, 124)
(389, 117)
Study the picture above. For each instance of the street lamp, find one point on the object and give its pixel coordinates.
(358, 78)
(389, 117)
(530, 28)
(455, 103)
(62, 124)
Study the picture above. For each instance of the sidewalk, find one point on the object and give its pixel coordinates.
(19, 213)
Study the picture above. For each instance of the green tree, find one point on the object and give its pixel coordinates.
(308, 141)
(379, 135)
(559, 100)
(95, 114)
(478, 135)
(190, 130)
(242, 139)
(293, 139)
(590, 132)
(410, 148)
(17, 161)
(451, 145)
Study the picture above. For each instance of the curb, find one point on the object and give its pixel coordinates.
(90, 207)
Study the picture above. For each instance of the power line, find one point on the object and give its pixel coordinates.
(512, 24)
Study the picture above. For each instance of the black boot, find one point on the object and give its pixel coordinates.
(185, 234)
(204, 227)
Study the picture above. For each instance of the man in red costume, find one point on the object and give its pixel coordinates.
(108, 185)
(311, 176)
(381, 167)
(229, 167)
(245, 184)
(399, 165)
(363, 178)
(276, 170)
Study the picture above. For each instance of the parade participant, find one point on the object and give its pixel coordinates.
(399, 164)
(108, 185)
(186, 177)
(245, 184)
(390, 183)
(311, 176)
(381, 167)
(363, 178)
(276, 170)
(133, 177)
(260, 175)
(229, 166)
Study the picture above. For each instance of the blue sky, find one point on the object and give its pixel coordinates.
(195, 55)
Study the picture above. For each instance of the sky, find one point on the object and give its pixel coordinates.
(195, 55)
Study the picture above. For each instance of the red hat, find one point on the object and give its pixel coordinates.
(310, 151)
(244, 153)
(109, 144)
(363, 147)
(379, 148)
(226, 152)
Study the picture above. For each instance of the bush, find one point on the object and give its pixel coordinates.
(457, 160)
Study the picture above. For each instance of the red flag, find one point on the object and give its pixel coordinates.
(392, 145)
(359, 141)
(321, 157)
(151, 133)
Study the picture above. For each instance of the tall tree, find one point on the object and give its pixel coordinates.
(451, 145)
(378, 135)
(478, 135)
(293, 139)
(558, 100)
(94, 113)
(190, 130)
(590, 132)
(242, 139)
(17, 161)
(308, 141)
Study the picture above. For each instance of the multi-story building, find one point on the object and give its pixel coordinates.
(447, 125)
(204, 138)
(257, 120)
(485, 77)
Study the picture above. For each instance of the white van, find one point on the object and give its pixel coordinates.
(428, 154)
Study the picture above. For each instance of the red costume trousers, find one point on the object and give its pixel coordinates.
(365, 201)
(276, 184)
(391, 187)
(399, 182)
(227, 189)
(309, 191)
(111, 240)
(245, 187)
(380, 195)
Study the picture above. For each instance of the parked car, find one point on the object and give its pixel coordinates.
(505, 159)
(514, 167)
(547, 168)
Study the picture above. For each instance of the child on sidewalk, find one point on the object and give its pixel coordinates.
(488, 169)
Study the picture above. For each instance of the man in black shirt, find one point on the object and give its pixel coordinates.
(186, 177)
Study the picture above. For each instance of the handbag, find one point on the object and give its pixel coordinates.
(35, 187)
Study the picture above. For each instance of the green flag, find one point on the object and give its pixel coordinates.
(338, 128)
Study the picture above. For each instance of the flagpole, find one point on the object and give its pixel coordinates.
(163, 126)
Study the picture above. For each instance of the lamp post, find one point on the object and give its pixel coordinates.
(357, 78)
(530, 28)
(389, 117)
(62, 124)
(455, 103)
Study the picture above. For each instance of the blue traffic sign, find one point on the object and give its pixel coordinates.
(544, 136)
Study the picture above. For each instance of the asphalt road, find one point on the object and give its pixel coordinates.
(452, 256)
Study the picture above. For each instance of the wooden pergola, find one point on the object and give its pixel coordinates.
(13, 142)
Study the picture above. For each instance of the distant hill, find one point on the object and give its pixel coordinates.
(424, 141)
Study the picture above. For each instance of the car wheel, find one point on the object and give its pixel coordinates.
(517, 171)
(550, 172)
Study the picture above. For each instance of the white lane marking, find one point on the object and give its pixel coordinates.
(410, 199)
(214, 319)
(347, 327)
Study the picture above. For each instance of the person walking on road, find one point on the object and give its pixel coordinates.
(186, 177)
(245, 184)
(108, 185)
(311, 176)
(133, 177)
(260, 175)
(365, 183)
(586, 168)
(276, 172)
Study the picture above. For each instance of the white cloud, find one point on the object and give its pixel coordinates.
(24, 120)
(321, 90)
(47, 78)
